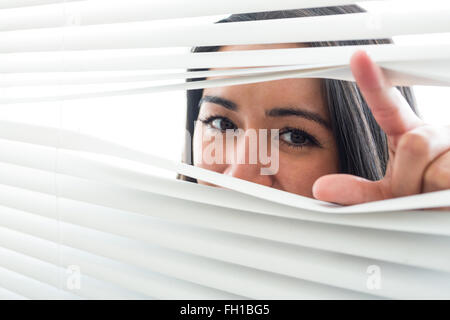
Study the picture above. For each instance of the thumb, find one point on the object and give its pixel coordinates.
(346, 189)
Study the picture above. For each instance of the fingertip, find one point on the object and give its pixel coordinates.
(366, 72)
(319, 191)
(346, 189)
(358, 65)
(359, 55)
(359, 60)
(315, 189)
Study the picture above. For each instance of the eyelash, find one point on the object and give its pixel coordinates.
(208, 121)
(312, 141)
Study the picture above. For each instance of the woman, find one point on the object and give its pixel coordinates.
(339, 141)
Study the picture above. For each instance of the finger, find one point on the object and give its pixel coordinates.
(390, 109)
(437, 175)
(416, 150)
(347, 189)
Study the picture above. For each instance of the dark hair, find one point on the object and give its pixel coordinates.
(362, 145)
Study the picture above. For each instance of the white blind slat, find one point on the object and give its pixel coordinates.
(433, 73)
(7, 4)
(407, 75)
(139, 35)
(59, 79)
(56, 277)
(31, 288)
(125, 60)
(9, 295)
(119, 11)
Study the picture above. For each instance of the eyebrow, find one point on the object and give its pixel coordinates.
(275, 112)
(290, 111)
(220, 101)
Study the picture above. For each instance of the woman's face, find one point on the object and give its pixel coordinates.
(296, 107)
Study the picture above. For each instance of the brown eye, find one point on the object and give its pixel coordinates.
(219, 123)
(294, 138)
(223, 124)
(297, 138)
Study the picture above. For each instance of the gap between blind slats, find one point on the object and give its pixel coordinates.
(120, 11)
(399, 281)
(42, 158)
(150, 284)
(68, 140)
(227, 277)
(424, 251)
(139, 35)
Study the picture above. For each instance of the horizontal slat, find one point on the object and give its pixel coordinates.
(55, 276)
(355, 26)
(31, 288)
(117, 11)
(435, 72)
(65, 139)
(7, 4)
(405, 248)
(437, 76)
(258, 211)
(150, 284)
(337, 270)
(9, 295)
(125, 60)
(310, 57)
(79, 78)
(232, 278)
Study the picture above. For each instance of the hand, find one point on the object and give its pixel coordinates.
(419, 153)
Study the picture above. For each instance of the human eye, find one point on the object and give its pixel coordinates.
(219, 123)
(297, 138)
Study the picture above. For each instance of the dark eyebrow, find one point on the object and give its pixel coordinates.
(276, 112)
(220, 101)
(284, 112)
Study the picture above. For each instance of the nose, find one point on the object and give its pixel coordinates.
(241, 166)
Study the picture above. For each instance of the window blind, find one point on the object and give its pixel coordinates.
(76, 225)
